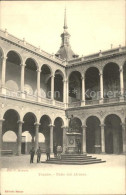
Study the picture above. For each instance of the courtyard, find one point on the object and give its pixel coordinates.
(18, 176)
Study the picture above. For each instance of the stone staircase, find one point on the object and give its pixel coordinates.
(74, 159)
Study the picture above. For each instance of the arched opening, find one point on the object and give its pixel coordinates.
(124, 78)
(44, 129)
(58, 132)
(58, 86)
(30, 77)
(111, 79)
(28, 132)
(92, 84)
(13, 71)
(113, 135)
(93, 135)
(45, 82)
(10, 129)
(75, 87)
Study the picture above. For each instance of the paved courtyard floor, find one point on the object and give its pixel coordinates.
(18, 176)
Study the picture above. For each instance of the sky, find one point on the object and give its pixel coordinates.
(93, 25)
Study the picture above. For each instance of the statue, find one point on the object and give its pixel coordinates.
(71, 123)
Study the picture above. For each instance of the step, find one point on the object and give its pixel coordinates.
(65, 157)
(75, 163)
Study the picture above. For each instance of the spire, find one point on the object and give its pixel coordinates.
(65, 51)
(65, 20)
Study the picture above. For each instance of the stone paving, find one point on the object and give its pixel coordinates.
(18, 176)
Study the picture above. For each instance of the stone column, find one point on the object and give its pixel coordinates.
(101, 87)
(64, 138)
(121, 82)
(52, 88)
(67, 93)
(22, 78)
(1, 124)
(3, 70)
(19, 137)
(36, 135)
(51, 138)
(64, 91)
(102, 138)
(38, 84)
(83, 91)
(84, 139)
(124, 137)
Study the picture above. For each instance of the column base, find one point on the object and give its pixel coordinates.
(82, 103)
(38, 99)
(121, 99)
(101, 101)
(23, 95)
(3, 90)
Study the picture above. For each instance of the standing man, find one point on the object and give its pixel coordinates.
(39, 152)
(32, 153)
(55, 150)
(48, 153)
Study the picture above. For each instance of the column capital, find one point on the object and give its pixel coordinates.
(37, 124)
(51, 125)
(23, 65)
(102, 125)
(38, 70)
(65, 80)
(52, 75)
(83, 77)
(84, 126)
(101, 72)
(2, 119)
(64, 127)
(123, 124)
(20, 122)
(121, 69)
(4, 58)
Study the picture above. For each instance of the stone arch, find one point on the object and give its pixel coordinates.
(9, 136)
(29, 120)
(44, 128)
(13, 70)
(49, 66)
(58, 132)
(11, 118)
(58, 85)
(30, 78)
(34, 60)
(18, 54)
(45, 81)
(70, 72)
(93, 135)
(113, 134)
(92, 84)
(92, 66)
(75, 87)
(111, 80)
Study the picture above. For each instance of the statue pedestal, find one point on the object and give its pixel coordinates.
(72, 142)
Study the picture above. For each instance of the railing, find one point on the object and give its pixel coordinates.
(46, 100)
(75, 104)
(60, 104)
(91, 102)
(111, 100)
(8, 36)
(97, 55)
(14, 94)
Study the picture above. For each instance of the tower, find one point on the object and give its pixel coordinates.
(65, 52)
